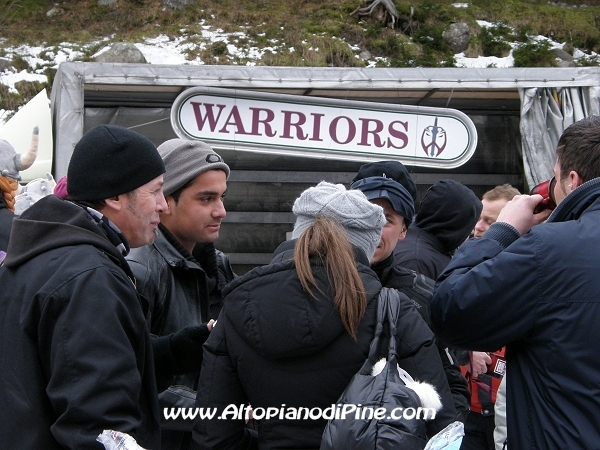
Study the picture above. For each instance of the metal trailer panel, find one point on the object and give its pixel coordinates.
(261, 189)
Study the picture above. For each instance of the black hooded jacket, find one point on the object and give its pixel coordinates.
(75, 353)
(448, 213)
(275, 346)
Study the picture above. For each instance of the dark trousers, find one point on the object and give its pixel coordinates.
(479, 432)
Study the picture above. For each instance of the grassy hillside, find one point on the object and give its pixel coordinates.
(315, 32)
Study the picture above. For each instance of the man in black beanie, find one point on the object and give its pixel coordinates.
(77, 363)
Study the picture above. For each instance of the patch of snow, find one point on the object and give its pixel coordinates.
(482, 62)
(10, 79)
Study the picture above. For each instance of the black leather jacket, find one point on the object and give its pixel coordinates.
(181, 290)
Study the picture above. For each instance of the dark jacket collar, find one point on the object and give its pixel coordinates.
(172, 251)
(574, 204)
(382, 267)
(203, 257)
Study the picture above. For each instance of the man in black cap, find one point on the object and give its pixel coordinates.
(76, 353)
(389, 185)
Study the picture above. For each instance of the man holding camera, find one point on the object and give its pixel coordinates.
(535, 288)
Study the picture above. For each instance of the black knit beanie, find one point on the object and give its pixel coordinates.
(110, 160)
(389, 169)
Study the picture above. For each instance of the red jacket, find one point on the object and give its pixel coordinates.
(485, 386)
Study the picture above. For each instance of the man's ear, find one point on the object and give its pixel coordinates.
(170, 205)
(403, 233)
(114, 203)
(574, 180)
(404, 230)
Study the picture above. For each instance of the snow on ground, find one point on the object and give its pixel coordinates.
(185, 49)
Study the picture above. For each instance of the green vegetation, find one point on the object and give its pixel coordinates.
(303, 32)
(534, 54)
(495, 40)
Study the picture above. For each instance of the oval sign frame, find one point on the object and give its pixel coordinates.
(317, 127)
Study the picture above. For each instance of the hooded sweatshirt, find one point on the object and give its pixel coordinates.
(75, 354)
(447, 215)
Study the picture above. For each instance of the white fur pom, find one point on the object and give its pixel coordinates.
(378, 367)
(426, 392)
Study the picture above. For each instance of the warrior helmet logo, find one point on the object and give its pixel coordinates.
(433, 139)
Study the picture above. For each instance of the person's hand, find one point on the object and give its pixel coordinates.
(519, 212)
(211, 324)
(186, 347)
(479, 363)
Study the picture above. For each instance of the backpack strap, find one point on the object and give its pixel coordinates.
(382, 301)
(393, 314)
(388, 308)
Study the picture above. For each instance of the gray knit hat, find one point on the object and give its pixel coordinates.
(185, 159)
(361, 219)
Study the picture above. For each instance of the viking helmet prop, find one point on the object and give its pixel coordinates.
(11, 162)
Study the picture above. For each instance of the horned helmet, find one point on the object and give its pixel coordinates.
(11, 162)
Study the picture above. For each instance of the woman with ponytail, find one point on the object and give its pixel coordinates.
(293, 333)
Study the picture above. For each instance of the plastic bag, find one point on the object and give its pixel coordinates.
(449, 438)
(116, 440)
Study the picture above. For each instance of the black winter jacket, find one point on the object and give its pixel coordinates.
(538, 294)
(447, 215)
(75, 353)
(181, 290)
(275, 346)
(422, 252)
(6, 218)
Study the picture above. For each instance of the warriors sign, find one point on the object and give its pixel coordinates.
(324, 128)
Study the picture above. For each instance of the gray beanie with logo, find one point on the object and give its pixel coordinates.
(185, 160)
(361, 219)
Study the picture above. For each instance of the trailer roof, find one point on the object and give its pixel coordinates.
(487, 91)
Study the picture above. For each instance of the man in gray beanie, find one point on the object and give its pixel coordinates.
(76, 352)
(181, 274)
